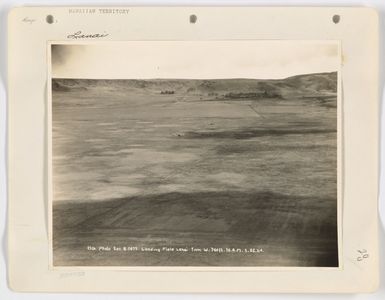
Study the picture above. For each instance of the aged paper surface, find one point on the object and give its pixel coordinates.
(80, 155)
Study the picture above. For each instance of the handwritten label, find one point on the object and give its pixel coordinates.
(72, 274)
(363, 254)
(28, 20)
(80, 35)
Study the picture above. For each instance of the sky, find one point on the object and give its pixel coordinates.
(260, 59)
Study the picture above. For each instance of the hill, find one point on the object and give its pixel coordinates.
(308, 85)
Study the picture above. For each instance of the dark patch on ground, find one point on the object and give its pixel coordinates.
(253, 133)
(301, 228)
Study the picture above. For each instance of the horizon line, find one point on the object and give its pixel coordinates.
(227, 78)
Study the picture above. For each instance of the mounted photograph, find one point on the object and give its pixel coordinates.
(194, 154)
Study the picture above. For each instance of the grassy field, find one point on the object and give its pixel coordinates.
(195, 164)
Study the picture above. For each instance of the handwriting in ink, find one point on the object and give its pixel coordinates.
(28, 20)
(363, 255)
(80, 35)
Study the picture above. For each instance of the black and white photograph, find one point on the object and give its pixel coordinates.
(195, 153)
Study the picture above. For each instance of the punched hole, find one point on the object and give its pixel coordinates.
(193, 19)
(49, 19)
(336, 19)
